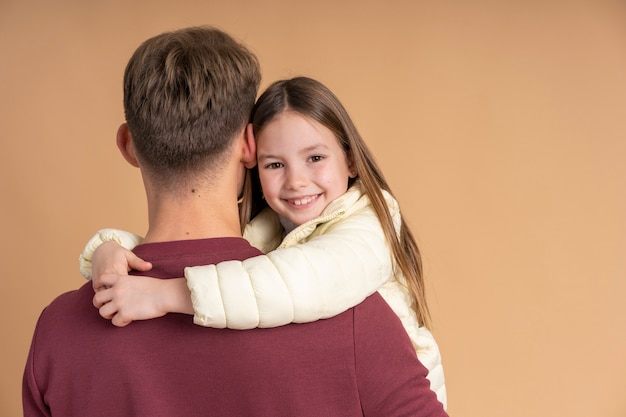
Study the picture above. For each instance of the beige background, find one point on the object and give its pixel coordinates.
(500, 125)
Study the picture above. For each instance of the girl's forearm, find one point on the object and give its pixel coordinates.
(176, 296)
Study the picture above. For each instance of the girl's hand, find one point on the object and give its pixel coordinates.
(111, 258)
(124, 298)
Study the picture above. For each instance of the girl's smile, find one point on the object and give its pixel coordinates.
(303, 201)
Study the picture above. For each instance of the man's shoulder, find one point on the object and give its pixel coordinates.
(67, 308)
(374, 302)
(76, 296)
(376, 313)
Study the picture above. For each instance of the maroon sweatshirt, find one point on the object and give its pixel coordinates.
(357, 363)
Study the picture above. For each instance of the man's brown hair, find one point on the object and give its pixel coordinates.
(187, 93)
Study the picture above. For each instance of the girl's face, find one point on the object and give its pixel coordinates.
(302, 168)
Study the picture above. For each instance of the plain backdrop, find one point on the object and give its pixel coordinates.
(501, 126)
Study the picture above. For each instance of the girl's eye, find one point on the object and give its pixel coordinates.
(316, 158)
(274, 165)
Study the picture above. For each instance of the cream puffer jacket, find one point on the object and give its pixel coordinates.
(320, 269)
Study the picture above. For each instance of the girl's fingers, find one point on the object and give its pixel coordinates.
(101, 298)
(119, 321)
(138, 264)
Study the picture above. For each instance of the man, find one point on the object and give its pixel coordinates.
(187, 97)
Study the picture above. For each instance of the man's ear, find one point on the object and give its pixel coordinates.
(248, 154)
(125, 144)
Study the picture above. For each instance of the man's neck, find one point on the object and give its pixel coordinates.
(195, 215)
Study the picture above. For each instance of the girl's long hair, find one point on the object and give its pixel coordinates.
(312, 99)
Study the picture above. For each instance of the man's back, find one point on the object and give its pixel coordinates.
(81, 365)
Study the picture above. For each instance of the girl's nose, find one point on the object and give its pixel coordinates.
(295, 179)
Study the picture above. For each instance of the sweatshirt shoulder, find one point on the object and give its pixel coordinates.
(69, 303)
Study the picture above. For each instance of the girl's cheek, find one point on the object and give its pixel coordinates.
(268, 180)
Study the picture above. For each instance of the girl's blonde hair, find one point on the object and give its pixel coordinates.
(312, 99)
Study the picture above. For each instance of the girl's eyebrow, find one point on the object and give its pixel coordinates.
(260, 156)
(314, 148)
(318, 146)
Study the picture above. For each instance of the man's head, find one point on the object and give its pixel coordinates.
(187, 95)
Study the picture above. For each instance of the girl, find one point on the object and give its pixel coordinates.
(332, 233)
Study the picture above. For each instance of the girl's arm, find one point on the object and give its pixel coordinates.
(323, 277)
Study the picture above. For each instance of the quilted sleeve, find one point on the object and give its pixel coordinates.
(126, 239)
(305, 282)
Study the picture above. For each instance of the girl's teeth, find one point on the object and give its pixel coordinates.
(302, 201)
